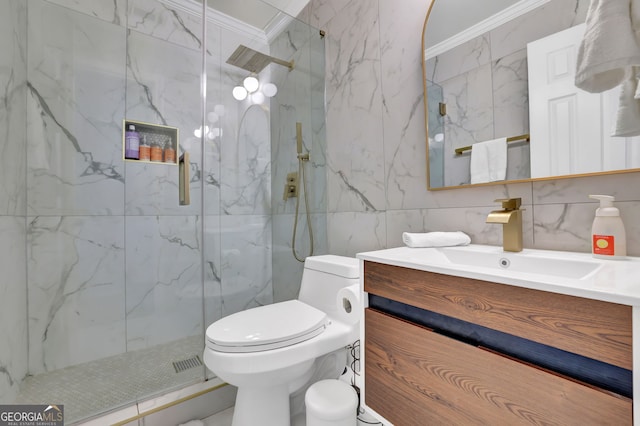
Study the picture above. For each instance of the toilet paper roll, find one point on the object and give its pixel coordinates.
(349, 306)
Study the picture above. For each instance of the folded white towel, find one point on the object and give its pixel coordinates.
(489, 161)
(609, 46)
(435, 239)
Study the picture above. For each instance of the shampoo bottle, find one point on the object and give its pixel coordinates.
(608, 239)
(145, 148)
(132, 143)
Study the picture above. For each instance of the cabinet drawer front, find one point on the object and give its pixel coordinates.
(414, 376)
(592, 328)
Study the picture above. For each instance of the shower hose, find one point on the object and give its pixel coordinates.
(301, 160)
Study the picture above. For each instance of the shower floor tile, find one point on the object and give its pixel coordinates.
(100, 386)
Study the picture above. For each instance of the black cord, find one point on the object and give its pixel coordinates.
(368, 423)
(354, 366)
(355, 363)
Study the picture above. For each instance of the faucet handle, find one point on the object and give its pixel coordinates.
(510, 203)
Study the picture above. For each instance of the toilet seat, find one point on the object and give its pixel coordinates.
(266, 327)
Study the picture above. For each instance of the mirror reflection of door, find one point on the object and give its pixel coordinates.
(571, 128)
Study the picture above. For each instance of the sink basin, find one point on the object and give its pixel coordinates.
(529, 262)
(563, 272)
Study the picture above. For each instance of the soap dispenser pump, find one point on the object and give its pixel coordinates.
(608, 239)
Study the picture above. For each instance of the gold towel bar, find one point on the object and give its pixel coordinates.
(511, 139)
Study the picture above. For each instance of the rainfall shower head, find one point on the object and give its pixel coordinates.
(254, 61)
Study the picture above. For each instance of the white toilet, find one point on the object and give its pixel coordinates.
(271, 351)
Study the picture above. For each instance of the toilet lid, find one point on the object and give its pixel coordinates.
(266, 327)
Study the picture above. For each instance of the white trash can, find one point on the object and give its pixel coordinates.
(331, 403)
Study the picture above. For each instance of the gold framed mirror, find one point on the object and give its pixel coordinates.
(476, 67)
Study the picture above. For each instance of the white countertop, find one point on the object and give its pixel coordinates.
(616, 281)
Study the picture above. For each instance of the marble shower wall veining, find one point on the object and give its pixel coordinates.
(75, 103)
(375, 112)
(13, 299)
(75, 290)
(99, 247)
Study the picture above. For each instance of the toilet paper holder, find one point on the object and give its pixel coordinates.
(346, 305)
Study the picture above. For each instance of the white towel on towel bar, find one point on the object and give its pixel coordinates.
(489, 161)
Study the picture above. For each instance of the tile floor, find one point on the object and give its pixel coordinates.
(102, 385)
(224, 419)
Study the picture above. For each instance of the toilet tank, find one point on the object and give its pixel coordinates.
(322, 278)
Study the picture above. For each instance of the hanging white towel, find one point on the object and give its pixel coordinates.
(609, 46)
(435, 239)
(635, 24)
(489, 161)
(628, 114)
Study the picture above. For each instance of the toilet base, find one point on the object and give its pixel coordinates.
(255, 405)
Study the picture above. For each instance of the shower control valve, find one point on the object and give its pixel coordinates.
(291, 186)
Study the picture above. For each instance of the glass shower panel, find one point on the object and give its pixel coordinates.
(215, 127)
(238, 181)
(300, 99)
(75, 204)
(163, 262)
(164, 296)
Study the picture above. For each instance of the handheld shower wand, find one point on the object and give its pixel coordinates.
(301, 159)
(299, 137)
(301, 156)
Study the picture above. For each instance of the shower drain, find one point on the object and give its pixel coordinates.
(186, 364)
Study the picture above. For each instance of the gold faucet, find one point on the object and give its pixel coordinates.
(511, 218)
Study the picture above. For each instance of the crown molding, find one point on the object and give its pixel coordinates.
(277, 26)
(220, 19)
(483, 26)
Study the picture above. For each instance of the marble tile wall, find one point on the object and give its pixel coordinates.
(73, 136)
(13, 306)
(13, 290)
(75, 290)
(375, 107)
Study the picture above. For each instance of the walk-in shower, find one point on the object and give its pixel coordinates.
(109, 283)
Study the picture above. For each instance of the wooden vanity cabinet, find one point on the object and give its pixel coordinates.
(415, 376)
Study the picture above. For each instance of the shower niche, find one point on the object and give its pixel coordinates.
(149, 143)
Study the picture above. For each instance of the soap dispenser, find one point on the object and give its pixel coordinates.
(608, 239)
